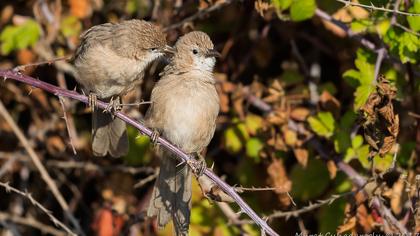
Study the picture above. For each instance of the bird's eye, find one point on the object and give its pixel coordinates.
(195, 51)
(153, 49)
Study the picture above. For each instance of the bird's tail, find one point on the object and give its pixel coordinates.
(109, 134)
(171, 198)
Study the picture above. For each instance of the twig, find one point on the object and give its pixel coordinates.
(254, 189)
(5, 167)
(35, 159)
(31, 222)
(34, 202)
(378, 63)
(355, 177)
(199, 14)
(146, 180)
(49, 62)
(61, 99)
(372, 7)
(323, 15)
(306, 209)
(407, 29)
(394, 15)
(11, 227)
(89, 166)
(182, 156)
(232, 216)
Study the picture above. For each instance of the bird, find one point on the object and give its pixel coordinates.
(111, 60)
(184, 108)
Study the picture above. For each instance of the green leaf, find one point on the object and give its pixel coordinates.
(414, 21)
(235, 136)
(282, 4)
(358, 151)
(70, 26)
(404, 44)
(291, 77)
(323, 124)
(139, 151)
(19, 37)
(362, 94)
(309, 182)
(383, 163)
(253, 148)
(360, 26)
(331, 216)
(253, 123)
(302, 9)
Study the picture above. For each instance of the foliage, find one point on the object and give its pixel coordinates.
(304, 113)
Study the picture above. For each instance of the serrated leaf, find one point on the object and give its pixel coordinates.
(414, 21)
(19, 37)
(362, 94)
(302, 9)
(323, 124)
(282, 4)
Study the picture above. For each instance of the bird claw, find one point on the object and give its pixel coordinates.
(154, 137)
(198, 166)
(92, 101)
(114, 105)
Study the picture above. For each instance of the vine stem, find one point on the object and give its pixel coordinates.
(182, 156)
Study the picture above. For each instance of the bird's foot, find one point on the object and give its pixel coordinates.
(154, 137)
(198, 165)
(92, 101)
(114, 105)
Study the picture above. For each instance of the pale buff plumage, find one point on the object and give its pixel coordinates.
(184, 109)
(111, 60)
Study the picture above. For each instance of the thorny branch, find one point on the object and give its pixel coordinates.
(31, 222)
(199, 14)
(355, 177)
(372, 7)
(183, 157)
(37, 162)
(34, 202)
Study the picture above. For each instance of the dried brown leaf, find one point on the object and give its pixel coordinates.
(332, 169)
(280, 181)
(299, 113)
(301, 156)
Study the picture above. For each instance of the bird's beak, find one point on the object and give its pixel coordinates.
(168, 50)
(212, 53)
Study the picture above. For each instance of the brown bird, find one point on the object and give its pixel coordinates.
(111, 60)
(184, 108)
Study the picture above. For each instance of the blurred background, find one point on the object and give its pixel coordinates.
(290, 135)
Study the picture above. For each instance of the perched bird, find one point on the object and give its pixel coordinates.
(111, 60)
(184, 108)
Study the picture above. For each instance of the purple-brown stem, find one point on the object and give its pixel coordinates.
(57, 91)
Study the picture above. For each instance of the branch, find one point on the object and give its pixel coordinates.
(355, 177)
(34, 202)
(31, 222)
(378, 63)
(182, 156)
(37, 162)
(372, 7)
(323, 15)
(200, 13)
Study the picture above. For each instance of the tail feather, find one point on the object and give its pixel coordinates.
(109, 134)
(171, 198)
